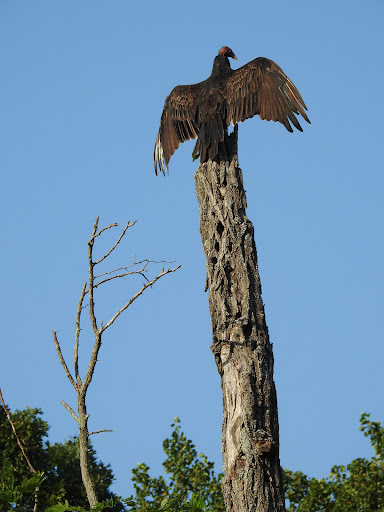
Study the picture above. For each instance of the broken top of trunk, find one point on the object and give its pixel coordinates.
(243, 352)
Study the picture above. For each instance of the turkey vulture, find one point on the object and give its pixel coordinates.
(205, 110)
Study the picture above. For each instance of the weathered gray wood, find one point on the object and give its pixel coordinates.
(241, 346)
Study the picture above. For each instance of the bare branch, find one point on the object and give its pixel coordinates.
(61, 358)
(17, 437)
(135, 263)
(130, 273)
(99, 432)
(107, 227)
(94, 231)
(121, 268)
(77, 334)
(129, 225)
(73, 414)
(36, 497)
(91, 278)
(132, 299)
(97, 344)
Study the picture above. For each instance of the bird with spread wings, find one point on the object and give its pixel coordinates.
(205, 110)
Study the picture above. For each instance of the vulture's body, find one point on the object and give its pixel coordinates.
(205, 110)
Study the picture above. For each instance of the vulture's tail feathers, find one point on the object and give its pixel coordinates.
(210, 135)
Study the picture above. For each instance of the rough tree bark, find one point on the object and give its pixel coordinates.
(241, 346)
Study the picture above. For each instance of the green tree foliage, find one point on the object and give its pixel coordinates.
(190, 484)
(181, 503)
(31, 430)
(354, 488)
(188, 473)
(11, 495)
(60, 463)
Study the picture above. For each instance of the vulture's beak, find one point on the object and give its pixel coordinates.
(234, 56)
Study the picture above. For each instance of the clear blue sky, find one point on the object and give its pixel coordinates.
(81, 93)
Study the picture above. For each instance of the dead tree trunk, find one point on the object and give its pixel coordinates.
(241, 346)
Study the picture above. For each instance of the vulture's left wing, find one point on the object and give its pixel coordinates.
(177, 123)
(261, 87)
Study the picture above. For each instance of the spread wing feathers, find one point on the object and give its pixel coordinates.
(261, 87)
(177, 123)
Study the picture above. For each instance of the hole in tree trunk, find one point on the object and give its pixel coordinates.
(247, 329)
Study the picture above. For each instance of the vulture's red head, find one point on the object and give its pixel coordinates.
(227, 52)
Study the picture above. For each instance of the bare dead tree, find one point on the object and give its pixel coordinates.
(241, 346)
(81, 385)
(21, 446)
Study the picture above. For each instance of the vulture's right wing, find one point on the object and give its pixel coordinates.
(177, 123)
